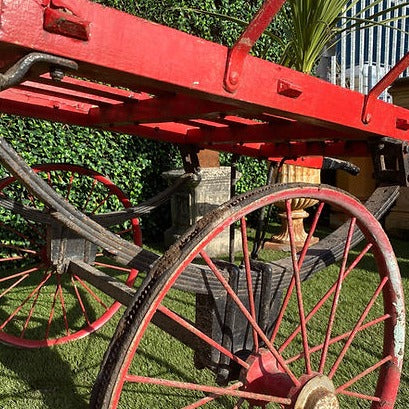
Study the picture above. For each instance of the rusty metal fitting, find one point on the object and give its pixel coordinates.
(57, 74)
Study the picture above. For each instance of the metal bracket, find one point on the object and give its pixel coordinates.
(16, 74)
(334, 164)
(391, 161)
(238, 53)
(60, 18)
(381, 86)
(190, 159)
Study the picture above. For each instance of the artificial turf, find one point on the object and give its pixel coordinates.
(62, 377)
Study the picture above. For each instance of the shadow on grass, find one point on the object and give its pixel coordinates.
(59, 377)
(43, 376)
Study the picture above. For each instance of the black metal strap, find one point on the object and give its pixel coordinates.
(17, 73)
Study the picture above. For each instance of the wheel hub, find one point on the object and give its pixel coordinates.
(63, 245)
(265, 376)
(317, 393)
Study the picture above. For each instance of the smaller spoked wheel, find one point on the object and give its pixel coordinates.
(334, 340)
(41, 303)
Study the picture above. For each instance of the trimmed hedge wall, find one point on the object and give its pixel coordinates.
(134, 164)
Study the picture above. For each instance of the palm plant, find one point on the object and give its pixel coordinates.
(310, 26)
(313, 25)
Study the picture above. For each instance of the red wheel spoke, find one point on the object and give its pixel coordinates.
(113, 267)
(132, 273)
(20, 249)
(51, 316)
(298, 288)
(15, 312)
(327, 295)
(69, 186)
(64, 312)
(249, 279)
(205, 388)
(14, 285)
(60, 179)
(340, 337)
(77, 293)
(211, 398)
(30, 314)
(248, 316)
(124, 231)
(49, 181)
(94, 183)
(311, 232)
(360, 396)
(28, 272)
(90, 292)
(32, 200)
(181, 321)
(355, 330)
(100, 204)
(283, 309)
(2, 260)
(364, 373)
(337, 294)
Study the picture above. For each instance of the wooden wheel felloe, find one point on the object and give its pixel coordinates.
(41, 303)
(336, 340)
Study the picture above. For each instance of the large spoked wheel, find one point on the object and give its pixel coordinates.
(41, 304)
(337, 341)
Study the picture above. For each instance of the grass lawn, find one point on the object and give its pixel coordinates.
(61, 377)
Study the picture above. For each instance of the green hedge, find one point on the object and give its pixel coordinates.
(134, 164)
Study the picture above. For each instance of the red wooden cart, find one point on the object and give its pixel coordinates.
(244, 334)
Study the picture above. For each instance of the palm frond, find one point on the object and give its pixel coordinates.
(314, 25)
(363, 23)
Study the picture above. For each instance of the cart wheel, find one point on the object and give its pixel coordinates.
(338, 336)
(40, 304)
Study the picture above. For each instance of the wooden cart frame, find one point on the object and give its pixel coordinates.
(79, 63)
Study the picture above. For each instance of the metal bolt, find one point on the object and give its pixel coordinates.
(234, 78)
(57, 74)
(367, 118)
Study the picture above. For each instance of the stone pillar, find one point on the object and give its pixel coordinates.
(397, 222)
(190, 205)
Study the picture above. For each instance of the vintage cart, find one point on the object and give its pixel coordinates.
(198, 331)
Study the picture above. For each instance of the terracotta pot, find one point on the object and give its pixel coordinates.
(288, 174)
